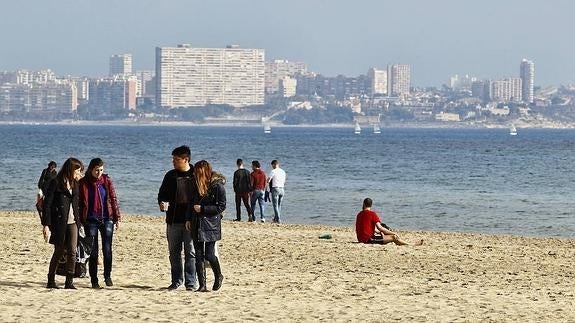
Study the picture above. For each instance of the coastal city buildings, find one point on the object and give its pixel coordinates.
(506, 90)
(277, 70)
(112, 95)
(187, 76)
(398, 79)
(461, 83)
(377, 81)
(287, 87)
(120, 64)
(527, 75)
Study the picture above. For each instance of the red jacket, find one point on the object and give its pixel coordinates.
(258, 179)
(111, 199)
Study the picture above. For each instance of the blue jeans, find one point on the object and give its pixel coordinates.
(106, 230)
(277, 197)
(178, 235)
(258, 196)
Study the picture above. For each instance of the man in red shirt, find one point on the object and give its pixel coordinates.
(369, 229)
(258, 184)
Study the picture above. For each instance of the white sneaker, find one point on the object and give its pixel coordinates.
(263, 220)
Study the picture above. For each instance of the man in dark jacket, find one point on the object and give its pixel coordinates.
(174, 197)
(242, 188)
(47, 175)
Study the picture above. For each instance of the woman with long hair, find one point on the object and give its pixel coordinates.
(99, 211)
(204, 220)
(60, 219)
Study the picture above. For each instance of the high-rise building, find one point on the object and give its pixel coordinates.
(377, 81)
(287, 87)
(506, 90)
(121, 64)
(278, 69)
(188, 76)
(527, 75)
(398, 79)
(113, 94)
(461, 83)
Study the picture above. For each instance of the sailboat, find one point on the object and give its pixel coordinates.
(357, 129)
(267, 128)
(376, 129)
(512, 130)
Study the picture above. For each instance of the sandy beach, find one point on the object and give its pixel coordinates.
(286, 273)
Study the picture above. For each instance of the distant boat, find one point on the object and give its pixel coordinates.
(376, 129)
(267, 128)
(357, 129)
(512, 130)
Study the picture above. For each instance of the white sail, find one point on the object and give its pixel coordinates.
(512, 130)
(376, 128)
(357, 129)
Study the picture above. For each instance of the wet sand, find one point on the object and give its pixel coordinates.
(286, 273)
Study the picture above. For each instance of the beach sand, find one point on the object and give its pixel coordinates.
(286, 273)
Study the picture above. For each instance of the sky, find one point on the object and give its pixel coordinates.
(438, 38)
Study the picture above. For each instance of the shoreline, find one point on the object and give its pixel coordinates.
(384, 124)
(287, 273)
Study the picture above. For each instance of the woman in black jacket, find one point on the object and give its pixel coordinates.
(60, 219)
(205, 220)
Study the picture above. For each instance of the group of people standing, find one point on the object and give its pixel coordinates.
(74, 205)
(256, 187)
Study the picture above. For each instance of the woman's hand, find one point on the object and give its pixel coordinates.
(46, 233)
(189, 225)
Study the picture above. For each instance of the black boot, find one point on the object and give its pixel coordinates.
(218, 277)
(69, 282)
(51, 281)
(201, 272)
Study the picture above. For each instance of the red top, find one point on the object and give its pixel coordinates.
(365, 225)
(258, 178)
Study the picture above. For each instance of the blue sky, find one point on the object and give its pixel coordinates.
(438, 38)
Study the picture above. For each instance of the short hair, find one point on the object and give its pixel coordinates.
(256, 164)
(182, 152)
(239, 161)
(275, 162)
(367, 202)
(52, 164)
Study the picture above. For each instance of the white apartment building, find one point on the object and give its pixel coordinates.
(527, 75)
(188, 76)
(287, 87)
(506, 90)
(377, 81)
(277, 70)
(398, 79)
(120, 64)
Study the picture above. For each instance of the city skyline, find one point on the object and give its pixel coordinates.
(437, 39)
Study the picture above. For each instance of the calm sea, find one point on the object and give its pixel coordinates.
(425, 179)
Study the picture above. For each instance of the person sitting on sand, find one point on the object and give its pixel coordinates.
(369, 229)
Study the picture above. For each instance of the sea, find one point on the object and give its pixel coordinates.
(464, 180)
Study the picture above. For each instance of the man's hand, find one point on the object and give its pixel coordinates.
(189, 225)
(46, 233)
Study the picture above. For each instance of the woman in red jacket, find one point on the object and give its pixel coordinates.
(99, 211)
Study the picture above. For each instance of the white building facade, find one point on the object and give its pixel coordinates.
(188, 76)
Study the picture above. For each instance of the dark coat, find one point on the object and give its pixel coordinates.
(111, 199)
(168, 191)
(207, 224)
(45, 178)
(242, 182)
(57, 204)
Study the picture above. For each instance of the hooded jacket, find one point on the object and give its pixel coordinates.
(206, 224)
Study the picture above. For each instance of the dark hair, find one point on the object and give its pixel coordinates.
(275, 162)
(96, 162)
(256, 164)
(182, 152)
(367, 202)
(239, 161)
(66, 173)
(52, 164)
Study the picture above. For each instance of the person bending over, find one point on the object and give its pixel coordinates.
(369, 228)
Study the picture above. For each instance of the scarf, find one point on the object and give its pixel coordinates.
(97, 199)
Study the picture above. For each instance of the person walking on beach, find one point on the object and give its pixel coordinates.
(276, 182)
(48, 174)
(204, 220)
(242, 189)
(99, 211)
(60, 219)
(369, 228)
(258, 184)
(174, 198)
